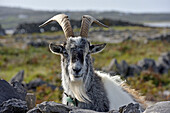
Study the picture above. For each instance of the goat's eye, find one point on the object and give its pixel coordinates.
(65, 54)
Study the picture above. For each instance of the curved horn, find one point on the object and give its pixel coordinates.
(64, 22)
(87, 20)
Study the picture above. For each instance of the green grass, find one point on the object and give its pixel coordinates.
(41, 63)
(131, 51)
(151, 85)
(35, 61)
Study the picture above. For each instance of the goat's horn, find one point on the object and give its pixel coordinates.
(87, 20)
(64, 22)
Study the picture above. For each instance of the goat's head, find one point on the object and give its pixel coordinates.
(75, 50)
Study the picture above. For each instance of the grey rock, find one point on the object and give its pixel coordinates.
(31, 100)
(160, 107)
(12, 99)
(18, 77)
(163, 63)
(165, 59)
(114, 66)
(8, 92)
(163, 37)
(127, 37)
(148, 64)
(86, 111)
(51, 107)
(33, 27)
(32, 85)
(35, 83)
(34, 110)
(20, 89)
(133, 70)
(16, 83)
(114, 111)
(130, 108)
(124, 68)
(38, 43)
(2, 31)
(161, 67)
(13, 106)
(53, 87)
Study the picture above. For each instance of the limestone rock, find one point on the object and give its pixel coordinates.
(133, 70)
(38, 43)
(32, 85)
(163, 63)
(87, 111)
(34, 110)
(114, 66)
(13, 106)
(51, 107)
(18, 77)
(12, 99)
(148, 64)
(31, 100)
(20, 89)
(35, 83)
(2, 31)
(8, 92)
(124, 67)
(130, 108)
(160, 107)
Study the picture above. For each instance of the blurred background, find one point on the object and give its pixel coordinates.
(138, 43)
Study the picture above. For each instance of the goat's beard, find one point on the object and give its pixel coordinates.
(78, 89)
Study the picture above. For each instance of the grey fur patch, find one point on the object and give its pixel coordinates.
(89, 89)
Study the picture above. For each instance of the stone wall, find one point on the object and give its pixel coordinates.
(52, 27)
(15, 99)
(2, 31)
(162, 66)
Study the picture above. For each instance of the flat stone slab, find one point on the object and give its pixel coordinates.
(159, 107)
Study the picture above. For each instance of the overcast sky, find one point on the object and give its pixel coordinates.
(137, 6)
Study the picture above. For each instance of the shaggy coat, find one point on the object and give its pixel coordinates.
(93, 90)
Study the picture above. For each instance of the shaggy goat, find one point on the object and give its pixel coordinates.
(89, 89)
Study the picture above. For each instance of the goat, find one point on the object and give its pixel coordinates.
(91, 89)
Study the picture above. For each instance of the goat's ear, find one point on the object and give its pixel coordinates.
(97, 48)
(56, 49)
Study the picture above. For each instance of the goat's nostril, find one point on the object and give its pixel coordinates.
(76, 70)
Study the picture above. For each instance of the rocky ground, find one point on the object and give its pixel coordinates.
(34, 27)
(15, 99)
(29, 52)
(162, 66)
(112, 35)
(2, 31)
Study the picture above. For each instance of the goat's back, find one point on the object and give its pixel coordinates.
(116, 95)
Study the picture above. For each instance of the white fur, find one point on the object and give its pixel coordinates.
(116, 95)
(76, 39)
(78, 89)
